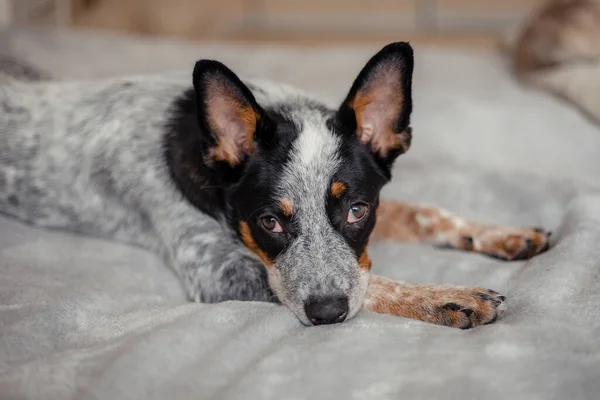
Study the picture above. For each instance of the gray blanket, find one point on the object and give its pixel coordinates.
(82, 318)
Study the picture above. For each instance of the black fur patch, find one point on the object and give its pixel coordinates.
(241, 193)
(363, 178)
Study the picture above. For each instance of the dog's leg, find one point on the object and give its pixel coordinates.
(406, 222)
(212, 263)
(454, 306)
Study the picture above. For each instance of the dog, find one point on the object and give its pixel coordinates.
(251, 191)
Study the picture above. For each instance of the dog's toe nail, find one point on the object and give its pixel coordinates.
(503, 298)
(466, 243)
(498, 257)
(467, 311)
(485, 297)
(496, 303)
(452, 306)
(545, 247)
(491, 321)
(523, 254)
(539, 230)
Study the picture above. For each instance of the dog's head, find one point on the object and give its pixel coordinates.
(308, 178)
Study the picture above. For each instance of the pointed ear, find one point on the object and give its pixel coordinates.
(379, 104)
(227, 110)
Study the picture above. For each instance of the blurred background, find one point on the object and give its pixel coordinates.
(473, 23)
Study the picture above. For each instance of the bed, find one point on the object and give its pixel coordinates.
(85, 318)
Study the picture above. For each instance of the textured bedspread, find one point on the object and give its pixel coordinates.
(82, 318)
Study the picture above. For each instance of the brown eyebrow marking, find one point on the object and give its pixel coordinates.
(337, 189)
(250, 243)
(287, 207)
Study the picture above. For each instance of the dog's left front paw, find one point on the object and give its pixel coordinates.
(508, 244)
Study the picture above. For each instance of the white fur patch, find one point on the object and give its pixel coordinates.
(317, 143)
(319, 262)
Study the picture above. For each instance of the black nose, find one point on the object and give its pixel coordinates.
(326, 310)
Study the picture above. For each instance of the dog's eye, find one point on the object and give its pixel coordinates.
(357, 212)
(271, 224)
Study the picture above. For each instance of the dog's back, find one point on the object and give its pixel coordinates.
(17, 140)
(63, 143)
(72, 153)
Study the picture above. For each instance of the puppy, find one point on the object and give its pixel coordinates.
(250, 191)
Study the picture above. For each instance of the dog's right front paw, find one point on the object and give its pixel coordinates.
(454, 306)
(471, 307)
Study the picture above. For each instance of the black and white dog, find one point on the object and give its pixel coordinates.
(250, 191)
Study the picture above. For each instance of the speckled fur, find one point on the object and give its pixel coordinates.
(87, 157)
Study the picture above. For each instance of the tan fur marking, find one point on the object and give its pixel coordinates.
(397, 221)
(337, 189)
(406, 222)
(286, 207)
(437, 304)
(250, 243)
(364, 261)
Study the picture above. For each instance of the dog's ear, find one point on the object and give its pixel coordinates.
(378, 106)
(227, 110)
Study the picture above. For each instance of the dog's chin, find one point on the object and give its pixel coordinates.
(297, 309)
(302, 318)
